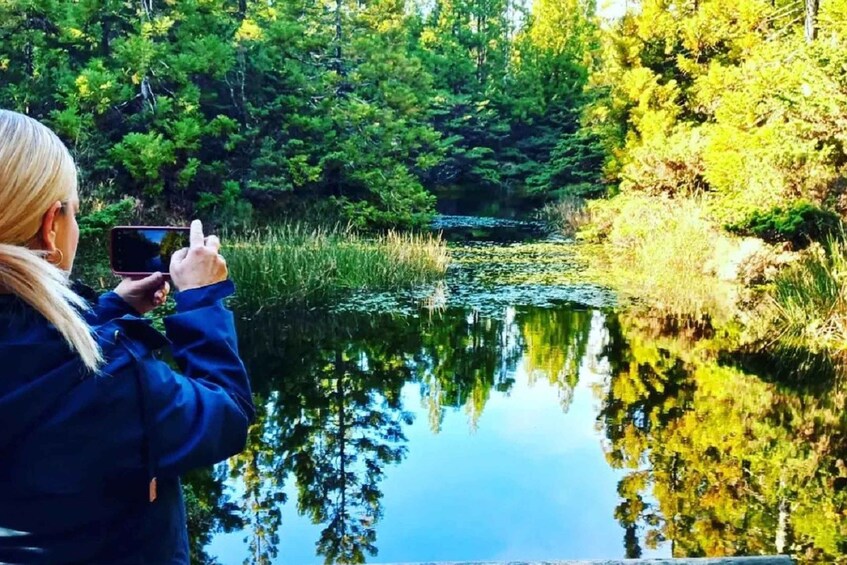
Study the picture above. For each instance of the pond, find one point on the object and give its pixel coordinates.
(516, 412)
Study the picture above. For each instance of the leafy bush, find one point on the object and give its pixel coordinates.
(103, 217)
(801, 224)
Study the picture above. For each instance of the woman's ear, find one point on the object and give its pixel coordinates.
(48, 230)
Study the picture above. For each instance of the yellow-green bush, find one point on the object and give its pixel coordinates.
(663, 250)
(726, 98)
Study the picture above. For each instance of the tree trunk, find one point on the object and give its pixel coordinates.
(339, 68)
(812, 7)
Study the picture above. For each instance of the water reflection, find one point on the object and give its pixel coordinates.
(726, 454)
(335, 419)
(716, 452)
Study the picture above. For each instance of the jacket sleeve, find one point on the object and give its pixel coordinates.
(201, 416)
(108, 306)
(103, 307)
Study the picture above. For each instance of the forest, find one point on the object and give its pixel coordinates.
(718, 123)
(243, 112)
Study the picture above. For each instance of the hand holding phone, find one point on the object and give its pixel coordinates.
(146, 294)
(200, 264)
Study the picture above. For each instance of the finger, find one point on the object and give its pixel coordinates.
(154, 281)
(178, 256)
(166, 289)
(196, 237)
(213, 243)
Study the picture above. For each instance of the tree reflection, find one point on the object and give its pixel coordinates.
(555, 343)
(333, 418)
(208, 510)
(722, 461)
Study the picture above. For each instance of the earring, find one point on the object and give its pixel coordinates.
(59, 261)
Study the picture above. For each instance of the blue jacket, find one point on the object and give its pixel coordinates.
(78, 451)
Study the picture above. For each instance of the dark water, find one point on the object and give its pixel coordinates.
(515, 419)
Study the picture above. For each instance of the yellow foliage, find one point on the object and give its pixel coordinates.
(83, 86)
(157, 27)
(248, 31)
(707, 101)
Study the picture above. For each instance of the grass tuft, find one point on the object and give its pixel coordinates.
(662, 252)
(568, 215)
(297, 265)
(810, 299)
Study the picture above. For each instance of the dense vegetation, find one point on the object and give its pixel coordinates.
(737, 101)
(720, 119)
(337, 107)
(687, 125)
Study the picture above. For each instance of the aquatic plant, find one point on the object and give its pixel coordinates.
(297, 264)
(568, 215)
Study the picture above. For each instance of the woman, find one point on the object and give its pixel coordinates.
(94, 430)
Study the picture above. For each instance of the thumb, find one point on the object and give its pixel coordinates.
(151, 282)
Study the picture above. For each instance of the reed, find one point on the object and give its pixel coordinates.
(297, 264)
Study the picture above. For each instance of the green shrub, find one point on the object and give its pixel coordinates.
(102, 217)
(801, 224)
(95, 221)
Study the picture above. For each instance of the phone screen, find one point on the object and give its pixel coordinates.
(142, 250)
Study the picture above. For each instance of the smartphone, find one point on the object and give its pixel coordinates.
(144, 250)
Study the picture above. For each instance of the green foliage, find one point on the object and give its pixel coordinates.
(98, 221)
(509, 92)
(245, 112)
(95, 221)
(294, 264)
(800, 224)
(726, 100)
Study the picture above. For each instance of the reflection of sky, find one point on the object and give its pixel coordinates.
(530, 483)
(156, 236)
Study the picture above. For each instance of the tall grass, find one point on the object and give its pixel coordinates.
(662, 252)
(296, 264)
(810, 299)
(568, 215)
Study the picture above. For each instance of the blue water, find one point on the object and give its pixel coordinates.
(525, 479)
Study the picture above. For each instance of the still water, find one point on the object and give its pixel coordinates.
(515, 413)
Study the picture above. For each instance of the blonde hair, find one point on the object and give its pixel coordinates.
(36, 170)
